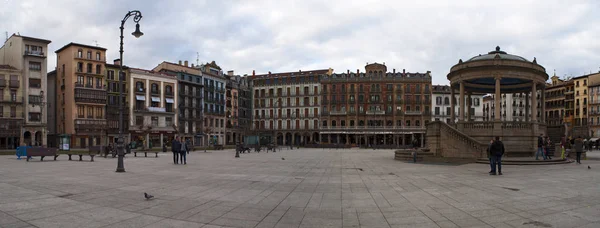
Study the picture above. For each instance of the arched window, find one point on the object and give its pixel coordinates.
(361, 123)
(98, 69)
(343, 123)
(408, 123)
(80, 53)
(351, 123)
(154, 88)
(139, 86)
(417, 123)
(390, 123)
(447, 101)
(333, 123)
(370, 73)
(89, 68)
(169, 89)
(89, 55)
(380, 73)
(324, 123)
(98, 56)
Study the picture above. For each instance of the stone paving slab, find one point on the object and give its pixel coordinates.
(310, 188)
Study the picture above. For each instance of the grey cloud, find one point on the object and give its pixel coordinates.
(269, 35)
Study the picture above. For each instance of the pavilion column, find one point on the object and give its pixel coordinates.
(462, 102)
(527, 119)
(497, 100)
(542, 100)
(469, 104)
(452, 106)
(534, 103)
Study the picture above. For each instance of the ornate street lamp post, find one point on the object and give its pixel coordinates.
(137, 16)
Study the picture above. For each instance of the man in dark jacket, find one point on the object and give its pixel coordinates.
(579, 148)
(175, 147)
(496, 151)
(182, 152)
(540, 147)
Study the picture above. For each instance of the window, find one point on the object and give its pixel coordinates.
(89, 55)
(90, 112)
(98, 56)
(169, 89)
(169, 121)
(154, 121)
(34, 116)
(154, 88)
(111, 74)
(139, 86)
(79, 53)
(139, 121)
(437, 110)
(35, 83)
(98, 69)
(35, 66)
(13, 95)
(89, 68)
(98, 113)
(99, 83)
(79, 67)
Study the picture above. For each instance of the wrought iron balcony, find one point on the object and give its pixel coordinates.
(34, 53)
(94, 126)
(375, 112)
(413, 112)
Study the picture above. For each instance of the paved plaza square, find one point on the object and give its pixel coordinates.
(294, 188)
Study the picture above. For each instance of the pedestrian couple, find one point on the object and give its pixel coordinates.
(544, 146)
(180, 149)
(495, 153)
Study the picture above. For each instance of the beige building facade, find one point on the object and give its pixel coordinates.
(28, 55)
(152, 109)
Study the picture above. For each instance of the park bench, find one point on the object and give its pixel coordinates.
(42, 152)
(91, 153)
(145, 153)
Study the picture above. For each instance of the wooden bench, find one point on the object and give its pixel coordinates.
(145, 153)
(42, 152)
(91, 153)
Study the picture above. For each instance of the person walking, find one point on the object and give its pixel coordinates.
(182, 153)
(489, 153)
(579, 148)
(415, 144)
(497, 151)
(563, 147)
(175, 146)
(540, 147)
(549, 148)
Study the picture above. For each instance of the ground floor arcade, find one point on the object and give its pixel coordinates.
(369, 139)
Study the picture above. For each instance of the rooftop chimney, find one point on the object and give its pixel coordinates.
(404, 71)
(357, 71)
(253, 73)
(192, 65)
(185, 63)
(348, 71)
(230, 73)
(179, 62)
(394, 70)
(269, 73)
(117, 61)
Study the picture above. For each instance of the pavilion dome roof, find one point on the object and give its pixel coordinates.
(498, 54)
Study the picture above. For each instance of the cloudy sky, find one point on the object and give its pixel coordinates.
(314, 34)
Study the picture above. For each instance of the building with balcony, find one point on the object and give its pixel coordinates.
(513, 107)
(214, 103)
(153, 113)
(238, 109)
(190, 100)
(594, 109)
(441, 109)
(287, 106)
(81, 94)
(11, 107)
(555, 101)
(28, 55)
(114, 83)
(375, 107)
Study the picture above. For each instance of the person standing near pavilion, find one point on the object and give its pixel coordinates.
(489, 153)
(175, 147)
(540, 147)
(579, 148)
(497, 151)
(183, 150)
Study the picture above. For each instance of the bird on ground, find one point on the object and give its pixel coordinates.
(282, 158)
(589, 167)
(148, 196)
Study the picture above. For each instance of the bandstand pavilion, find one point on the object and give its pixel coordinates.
(494, 73)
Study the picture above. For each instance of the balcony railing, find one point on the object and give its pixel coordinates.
(375, 112)
(90, 125)
(7, 98)
(89, 86)
(34, 53)
(413, 112)
(338, 113)
(372, 127)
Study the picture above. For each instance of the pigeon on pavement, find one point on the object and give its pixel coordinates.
(589, 167)
(282, 158)
(148, 196)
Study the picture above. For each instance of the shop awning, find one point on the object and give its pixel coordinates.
(140, 97)
(155, 99)
(169, 100)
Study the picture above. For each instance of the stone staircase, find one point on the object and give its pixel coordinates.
(447, 142)
(423, 154)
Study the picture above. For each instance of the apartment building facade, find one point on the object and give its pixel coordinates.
(153, 108)
(214, 103)
(555, 101)
(29, 56)
(514, 107)
(81, 99)
(115, 83)
(287, 106)
(190, 99)
(376, 107)
(441, 109)
(11, 107)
